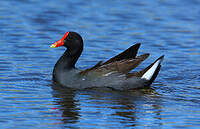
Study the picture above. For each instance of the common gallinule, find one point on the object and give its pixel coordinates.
(114, 73)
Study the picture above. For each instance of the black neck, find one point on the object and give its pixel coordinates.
(68, 60)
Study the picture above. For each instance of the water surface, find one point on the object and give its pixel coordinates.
(30, 100)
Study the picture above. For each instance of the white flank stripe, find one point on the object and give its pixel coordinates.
(108, 74)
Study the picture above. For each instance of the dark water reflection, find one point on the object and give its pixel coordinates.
(66, 104)
(30, 100)
(102, 105)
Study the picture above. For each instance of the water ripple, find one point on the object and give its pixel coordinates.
(30, 100)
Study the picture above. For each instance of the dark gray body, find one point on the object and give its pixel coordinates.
(114, 80)
(114, 73)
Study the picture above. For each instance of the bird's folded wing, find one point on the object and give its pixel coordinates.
(123, 62)
(129, 53)
(92, 68)
(122, 66)
(142, 72)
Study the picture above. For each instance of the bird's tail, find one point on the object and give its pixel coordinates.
(150, 73)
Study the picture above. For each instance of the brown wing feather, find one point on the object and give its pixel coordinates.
(129, 53)
(141, 73)
(92, 68)
(122, 66)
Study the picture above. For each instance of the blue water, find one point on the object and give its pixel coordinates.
(29, 100)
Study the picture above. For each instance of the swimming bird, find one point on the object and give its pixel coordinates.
(115, 73)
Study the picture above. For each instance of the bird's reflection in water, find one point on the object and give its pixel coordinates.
(134, 105)
(128, 106)
(64, 98)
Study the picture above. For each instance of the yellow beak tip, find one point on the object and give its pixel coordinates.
(52, 46)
